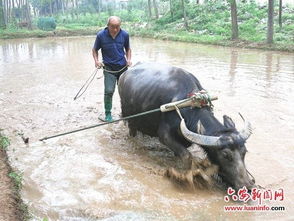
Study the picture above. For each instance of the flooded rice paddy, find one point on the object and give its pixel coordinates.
(104, 174)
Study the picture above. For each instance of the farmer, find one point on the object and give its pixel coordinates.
(116, 57)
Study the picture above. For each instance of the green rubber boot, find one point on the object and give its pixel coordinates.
(108, 117)
(107, 107)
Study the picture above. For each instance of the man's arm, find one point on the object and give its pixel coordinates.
(96, 59)
(129, 57)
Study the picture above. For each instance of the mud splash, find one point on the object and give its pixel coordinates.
(202, 175)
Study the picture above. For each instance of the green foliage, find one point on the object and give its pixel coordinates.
(249, 26)
(132, 16)
(17, 178)
(46, 23)
(85, 19)
(137, 4)
(4, 142)
(210, 18)
(99, 20)
(250, 10)
(213, 18)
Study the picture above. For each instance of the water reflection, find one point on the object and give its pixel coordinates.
(268, 69)
(233, 69)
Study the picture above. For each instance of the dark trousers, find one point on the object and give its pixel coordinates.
(110, 80)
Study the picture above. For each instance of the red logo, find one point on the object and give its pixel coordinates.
(259, 195)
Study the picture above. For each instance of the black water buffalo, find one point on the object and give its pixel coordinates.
(147, 86)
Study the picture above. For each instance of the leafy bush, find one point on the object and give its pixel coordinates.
(46, 23)
(132, 16)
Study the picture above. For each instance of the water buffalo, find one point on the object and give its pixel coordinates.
(147, 86)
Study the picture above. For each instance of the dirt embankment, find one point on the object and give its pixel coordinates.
(11, 205)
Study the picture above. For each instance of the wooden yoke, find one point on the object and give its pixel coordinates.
(199, 100)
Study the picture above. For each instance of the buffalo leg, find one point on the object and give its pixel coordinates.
(178, 149)
(132, 128)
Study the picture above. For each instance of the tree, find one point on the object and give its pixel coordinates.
(234, 21)
(96, 4)
(155, 9)
(270, 22)
(2, 17)
(280, 13)
(184, 14)
(7, 11)
(171, 9)
(28, 15)
(149, 9)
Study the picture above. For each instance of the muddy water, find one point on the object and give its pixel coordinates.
(103, 173)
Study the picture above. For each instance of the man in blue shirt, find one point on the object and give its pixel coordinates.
(116, 57)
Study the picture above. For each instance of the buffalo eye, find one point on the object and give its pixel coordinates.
(227, 154)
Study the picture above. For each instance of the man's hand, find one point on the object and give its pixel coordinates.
(129, 63)
(99, 64)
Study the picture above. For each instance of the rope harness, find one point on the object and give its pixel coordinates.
(91, 78)
(114, 72)
(189, 102)
(87, 84)
(98, 125)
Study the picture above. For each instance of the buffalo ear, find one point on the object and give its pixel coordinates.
(200, 128)
(228, 122)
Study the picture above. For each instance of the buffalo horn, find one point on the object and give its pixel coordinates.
(247, 130)
(198, 138)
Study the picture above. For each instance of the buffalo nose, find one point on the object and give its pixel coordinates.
(251, 186)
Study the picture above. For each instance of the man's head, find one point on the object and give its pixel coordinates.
(113, 25)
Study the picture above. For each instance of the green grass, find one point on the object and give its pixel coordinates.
(17, 179)
(4, 141)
